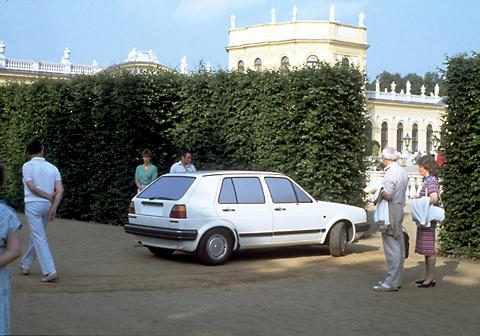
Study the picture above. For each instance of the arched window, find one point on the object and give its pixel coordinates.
(400, 137)
(312, 61)
(258, 64)
(368, 131)
(345, 61)
(241, 66)
(284, 63)
(415, 138)
(384, 135)
(429, 138)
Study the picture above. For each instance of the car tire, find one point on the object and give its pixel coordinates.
(160, 251)
(338, 240)
(215, 247)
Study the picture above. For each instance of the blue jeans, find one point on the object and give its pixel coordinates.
(37, 213)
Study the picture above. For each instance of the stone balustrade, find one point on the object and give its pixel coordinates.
(415, 181)
(30, 65)
(64, 67)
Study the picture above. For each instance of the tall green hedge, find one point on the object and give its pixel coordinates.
(460, 234)
(307, 123)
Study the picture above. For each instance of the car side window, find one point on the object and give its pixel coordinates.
(301, 195)
(241, 190)
(227, 192)
(281, 190)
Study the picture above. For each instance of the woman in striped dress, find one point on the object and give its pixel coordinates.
(425, 243)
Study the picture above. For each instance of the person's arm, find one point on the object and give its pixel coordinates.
(137, 179)
(433, 198)
(52, 213)
(39, 192)
(12, 250)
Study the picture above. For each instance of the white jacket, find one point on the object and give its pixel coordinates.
(423, 213)
(381, 210)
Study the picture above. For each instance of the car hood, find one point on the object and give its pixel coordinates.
(355, 214)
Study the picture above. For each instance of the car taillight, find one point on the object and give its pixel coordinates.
(131, 208)
(179, 211)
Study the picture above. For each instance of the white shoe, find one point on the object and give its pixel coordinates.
(50, 277)
(384, 288)
(25, 270)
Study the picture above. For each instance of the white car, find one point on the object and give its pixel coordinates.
(214, 213)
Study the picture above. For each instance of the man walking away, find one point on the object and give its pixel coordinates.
(43, 192)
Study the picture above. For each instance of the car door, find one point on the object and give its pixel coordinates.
(296, 215)
(241, 200)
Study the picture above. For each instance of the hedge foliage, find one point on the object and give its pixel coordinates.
(308, 124)
(460, 234)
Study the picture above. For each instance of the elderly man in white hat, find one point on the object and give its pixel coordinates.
(394, 187)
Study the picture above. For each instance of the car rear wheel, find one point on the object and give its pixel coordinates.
(338, 240)
(160, 251)
(215, 247)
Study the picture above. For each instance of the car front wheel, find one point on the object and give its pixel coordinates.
(215, 247)
(338, 240)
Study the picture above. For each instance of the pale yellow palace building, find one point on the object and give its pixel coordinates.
(395, 113)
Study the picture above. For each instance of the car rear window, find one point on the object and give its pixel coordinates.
(168, 188)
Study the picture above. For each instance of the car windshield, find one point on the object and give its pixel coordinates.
(168, 188)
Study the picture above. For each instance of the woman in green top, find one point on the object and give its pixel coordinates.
(146, 172)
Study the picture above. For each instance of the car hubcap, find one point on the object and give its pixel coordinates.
(217, 246)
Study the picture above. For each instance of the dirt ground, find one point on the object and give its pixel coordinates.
(109, 287)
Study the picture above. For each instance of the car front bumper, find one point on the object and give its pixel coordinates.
(362, 227)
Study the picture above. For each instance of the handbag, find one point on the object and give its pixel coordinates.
(406, 241)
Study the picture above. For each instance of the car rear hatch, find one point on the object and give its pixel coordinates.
(158, 199)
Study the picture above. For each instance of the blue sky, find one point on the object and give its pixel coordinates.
(404, 36)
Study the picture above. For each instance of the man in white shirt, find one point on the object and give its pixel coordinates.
(43, 192)
(395, 182)
(185, 165)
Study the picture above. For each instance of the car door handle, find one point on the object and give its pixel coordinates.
(280, 209)
(228, 209)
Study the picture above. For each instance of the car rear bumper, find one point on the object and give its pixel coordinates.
(362, 227)
(163, 233)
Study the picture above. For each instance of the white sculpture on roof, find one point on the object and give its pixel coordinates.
(233, 22)
(66, 56)
(2, 49)
(437, 90)
(142, 56)
(273, 14)
(183, 65)
(294, 13)
(408, 87)
(361, 19)
(332, 13)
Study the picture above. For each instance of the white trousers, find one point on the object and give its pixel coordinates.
(37, 213)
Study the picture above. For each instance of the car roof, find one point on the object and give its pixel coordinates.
(223, 172)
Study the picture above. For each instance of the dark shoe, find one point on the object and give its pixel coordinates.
(419, 281)
(426, 285)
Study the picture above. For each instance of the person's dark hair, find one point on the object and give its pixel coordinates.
(184, 152)
(428, 162)
(2, 175)
(147, 152)
(34, 147)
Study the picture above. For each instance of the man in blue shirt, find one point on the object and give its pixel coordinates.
(185, 164)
